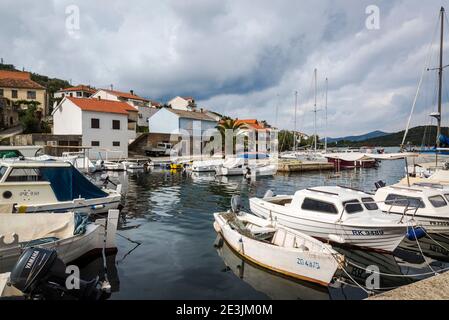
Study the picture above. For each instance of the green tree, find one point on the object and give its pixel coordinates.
(226, 125)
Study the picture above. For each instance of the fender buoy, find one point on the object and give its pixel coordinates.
(414, 233)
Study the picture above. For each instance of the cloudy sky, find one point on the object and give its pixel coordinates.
(241, 58)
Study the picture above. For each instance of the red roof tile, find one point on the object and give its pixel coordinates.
(253, 123)
(102, 105)
(18, 79)
(126, 95)
(79, 88)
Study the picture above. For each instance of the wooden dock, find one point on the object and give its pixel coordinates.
(303, 166)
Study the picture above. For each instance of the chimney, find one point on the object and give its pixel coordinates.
(131, 91)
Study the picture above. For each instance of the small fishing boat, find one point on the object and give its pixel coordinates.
(52, 186)
(337, 214)
(238, 167)
(135, 164)
(70, 234)
(278, 248)
(206, 165)
(425, 204)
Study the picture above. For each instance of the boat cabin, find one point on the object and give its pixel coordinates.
(421, 199)
(333, 200)
(43, 182)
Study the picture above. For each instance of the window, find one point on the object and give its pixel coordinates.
(1, 92)
(352, 206)
(14, 93)
(369, 203)
(317, 205)
(6, 154)
(95, 123)
(404, 201)
(31, 94)
(437, 201)
(25, 174)
(116, 124)
(116, 143)
(3, 171)
(79, 94)
(71, 94)
(95, 143)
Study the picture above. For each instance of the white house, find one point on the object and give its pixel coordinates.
(182, 103)
(106, 126)
(145, 107)
(80, 91)
(172, 121)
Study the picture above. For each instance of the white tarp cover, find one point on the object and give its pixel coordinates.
(358, 156)
(34, 226)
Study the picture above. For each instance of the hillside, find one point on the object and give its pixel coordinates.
(415, 137)
(52, 84)
(366, 136)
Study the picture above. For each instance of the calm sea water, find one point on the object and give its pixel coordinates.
(166, 244)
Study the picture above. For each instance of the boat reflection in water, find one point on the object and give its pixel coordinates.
(274, 286)
(93, 266)
(435, 246)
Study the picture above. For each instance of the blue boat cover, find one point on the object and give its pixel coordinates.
(68, 184)
(443, 140)
(252, 155)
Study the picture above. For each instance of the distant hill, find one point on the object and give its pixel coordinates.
(417, 136)
(366, 136)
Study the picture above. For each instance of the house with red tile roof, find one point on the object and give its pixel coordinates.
(79, 91)
(104, 125)
(18, 86)
(145, 107)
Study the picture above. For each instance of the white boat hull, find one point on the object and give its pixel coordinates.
(315, 266)
(72, 248)
(382, 238)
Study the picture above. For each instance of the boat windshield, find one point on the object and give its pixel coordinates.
(437, 201)
(8, 154)
(2, 171)
(369, 203)
(352, 206)
(404, 201)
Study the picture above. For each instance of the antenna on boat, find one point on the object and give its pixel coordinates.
(325, 106)
(294, 132)
(315, 111)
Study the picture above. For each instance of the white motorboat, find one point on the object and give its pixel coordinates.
(52, 186)
(425, 204)
(206, 165)
(237, 167)
(54, 231)
(336, 214)
(278, 248)
(134, 164)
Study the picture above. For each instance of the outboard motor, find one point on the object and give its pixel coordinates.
(446, 165)
(40, 274)
(248, 173)
(379, 184)
(236, 204)
(106, 180)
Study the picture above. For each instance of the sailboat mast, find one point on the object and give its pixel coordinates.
(440, 77)
(325, 110)
(294, 132)
(314, 110)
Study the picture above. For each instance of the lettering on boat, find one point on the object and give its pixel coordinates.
(30, 262)
(439, 223)
(307, 263)
(367, 232)
(29, 193)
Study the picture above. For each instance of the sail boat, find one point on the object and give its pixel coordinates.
(314, 154)
(440, 138)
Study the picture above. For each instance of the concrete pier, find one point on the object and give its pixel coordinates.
(303, 166)
(433, 288)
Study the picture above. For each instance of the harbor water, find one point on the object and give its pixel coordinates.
(167, 246)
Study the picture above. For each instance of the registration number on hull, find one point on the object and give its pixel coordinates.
(307, 263)
(367, 232)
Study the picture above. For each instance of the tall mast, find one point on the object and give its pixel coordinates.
(294, 132)
(314, 110)
(440, 77)
(325, 136)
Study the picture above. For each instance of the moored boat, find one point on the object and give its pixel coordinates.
(278, 248)
(335, 214)
(70, 234)
(40, 186)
